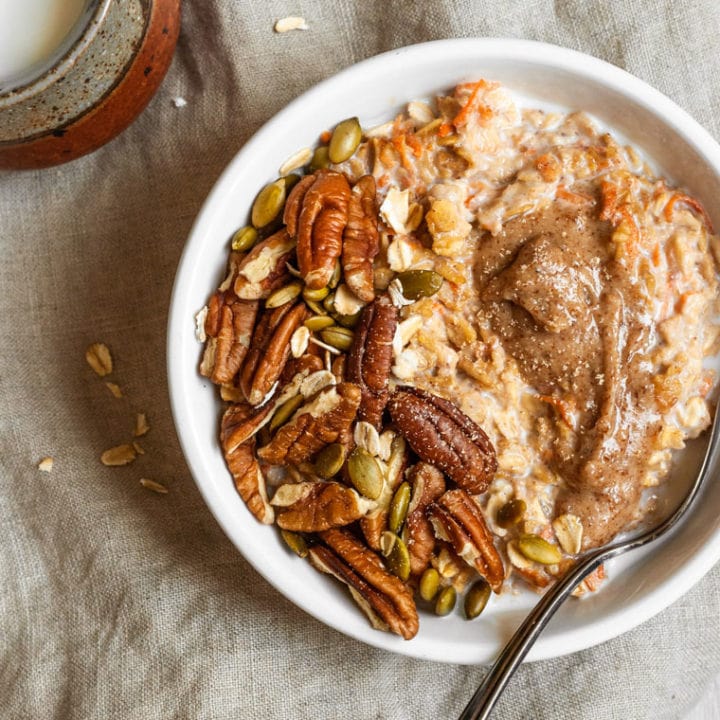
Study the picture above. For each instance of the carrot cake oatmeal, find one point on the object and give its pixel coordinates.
(459, 347)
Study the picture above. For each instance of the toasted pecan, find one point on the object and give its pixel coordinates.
(315, 506)
(361, 240)
(264, 268)
(229, 326)
(314, 425)
(270, 350)
(457, 518)
(428, 484)
(386, 600)
(370, 357)
(441, 434)
(316, 214)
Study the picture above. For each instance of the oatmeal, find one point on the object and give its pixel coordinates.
(459, 347)
(577, 312)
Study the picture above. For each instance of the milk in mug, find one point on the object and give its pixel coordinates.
(31, 33)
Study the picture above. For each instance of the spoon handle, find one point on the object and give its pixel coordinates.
(484, 699)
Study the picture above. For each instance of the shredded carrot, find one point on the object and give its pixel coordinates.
(477, 83)
(593, 580)
(563, 407)
(548, 166)
(692, 203)
(631, 229)
(474, 187)
(415, 145)
(462, 117)
(400, 145)
(444, 130)
(609, 194)
(570, 196)
(707, 383)
(684, 297)
(383, 180)
(656, 255)
(325, 136)
(533, 576)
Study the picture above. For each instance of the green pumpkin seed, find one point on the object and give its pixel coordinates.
(420, 283)
(284, 295)
(315, 307)
(445, 602)
(345, 140)
(538, 550)
(399, 507)
(347, 321)
(244, 239)
(511, 513)
(339, 337)
(295, 542)
(365, 473)
(290, 181)
(387, 540)
(286, 411)
(320, 158)
(268, 204)
(429, 584)
(318, 322)
(477, 598)
(329, 461)
(336, 276)
(315, 295)
(329, 302)
(398, 561)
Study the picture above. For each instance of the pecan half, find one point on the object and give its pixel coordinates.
(264, 268)
(229, 326)
(294, 203)
(371, 356)
(456, 518)
(441, 434)
(314, 425)
(270, 350)
(373, 525)
(240, 422)
(428, 484)
(249, 481)
(384, 598)
(308, 363)
(361, 240)
(316, 213)
(316, 506)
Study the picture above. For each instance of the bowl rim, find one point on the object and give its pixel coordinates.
(585, 66)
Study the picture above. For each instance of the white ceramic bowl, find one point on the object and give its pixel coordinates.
(640, 585)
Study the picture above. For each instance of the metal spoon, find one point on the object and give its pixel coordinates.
(484, 699)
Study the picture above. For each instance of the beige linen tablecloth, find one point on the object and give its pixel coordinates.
(119, 603)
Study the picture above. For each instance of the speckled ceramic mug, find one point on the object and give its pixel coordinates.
(100, 80)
